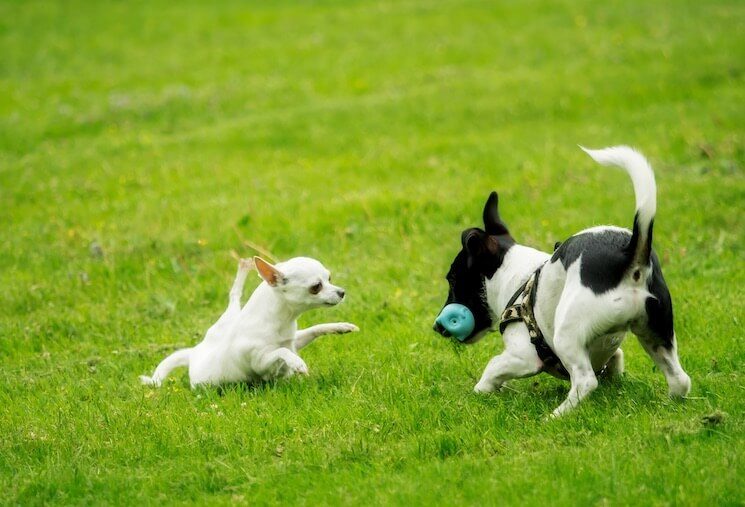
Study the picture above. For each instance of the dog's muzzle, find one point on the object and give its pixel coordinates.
(455, 320)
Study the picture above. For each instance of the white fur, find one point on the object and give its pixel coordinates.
(519, 262)
(260, 341)
(584, 329)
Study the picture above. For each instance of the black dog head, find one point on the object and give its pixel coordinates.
(481, 255)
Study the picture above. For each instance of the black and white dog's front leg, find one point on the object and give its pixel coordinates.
(518, 360)
(304, 336)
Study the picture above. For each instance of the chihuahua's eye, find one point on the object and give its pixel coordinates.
(315, 289)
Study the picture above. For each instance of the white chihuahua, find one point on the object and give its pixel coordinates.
(260, 341)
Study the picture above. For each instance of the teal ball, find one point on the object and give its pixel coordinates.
(457, 320)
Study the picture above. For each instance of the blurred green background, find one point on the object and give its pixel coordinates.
(143, 144)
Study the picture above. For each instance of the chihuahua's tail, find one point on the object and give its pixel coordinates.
(645, 190)
(178, 358)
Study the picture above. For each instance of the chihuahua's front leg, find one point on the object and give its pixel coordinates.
(281, 362)
(305, 336)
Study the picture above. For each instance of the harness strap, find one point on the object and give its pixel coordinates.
(523, 312)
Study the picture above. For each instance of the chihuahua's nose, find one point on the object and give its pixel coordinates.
(341, 293)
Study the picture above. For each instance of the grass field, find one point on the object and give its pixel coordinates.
(143, 142)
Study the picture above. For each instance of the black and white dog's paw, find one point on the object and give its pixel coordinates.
(679, 385)
(485, 387)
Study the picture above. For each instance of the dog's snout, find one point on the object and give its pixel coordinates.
(340, 293)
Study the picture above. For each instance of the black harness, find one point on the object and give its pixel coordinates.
(523, 312)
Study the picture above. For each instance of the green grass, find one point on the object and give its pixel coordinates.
(142, 142)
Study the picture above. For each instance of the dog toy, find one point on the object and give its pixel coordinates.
(457, 320)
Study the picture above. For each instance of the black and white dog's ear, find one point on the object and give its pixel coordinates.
(482, 250)
(492, 222)
(472, 239)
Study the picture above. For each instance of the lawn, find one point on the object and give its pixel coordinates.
(144, 144)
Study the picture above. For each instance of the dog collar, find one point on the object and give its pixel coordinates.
(523, 312)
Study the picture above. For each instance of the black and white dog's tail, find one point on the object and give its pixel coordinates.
(645, 190)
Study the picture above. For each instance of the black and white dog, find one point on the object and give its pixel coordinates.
(567, 313)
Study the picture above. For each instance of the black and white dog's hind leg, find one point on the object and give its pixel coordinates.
(657, 336)
(588, 331)
(615, 365)
(574, 327)
(665, 356)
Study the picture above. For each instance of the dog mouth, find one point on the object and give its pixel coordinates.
(470, 340)
(440, 329)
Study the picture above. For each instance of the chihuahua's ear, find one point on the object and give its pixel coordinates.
(269, 273)
(493, 224)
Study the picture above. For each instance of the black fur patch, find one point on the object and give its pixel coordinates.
(482, 254)
(646, 250)
(605, 257)
(467, 287)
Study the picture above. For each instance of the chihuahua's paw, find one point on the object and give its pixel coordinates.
(345, 327)
(297, 366)
(150, 381)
